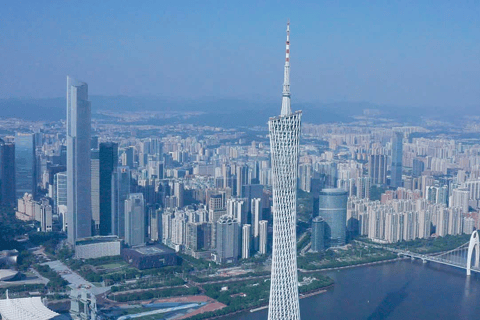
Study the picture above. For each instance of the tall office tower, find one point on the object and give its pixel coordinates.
(251, 191)
(7, 173)
(108, 155)
(94, 142)
(284, 143)
(199, 236)
(246, 240)
(305, 177)
(60, 199)
(155, 223)
(79, 215)
(227, 175)
(318, 234)
(135, 220)
(128, 157)
(256, 217)
(228, 239)
(25, 164)
(397, 154)
(120, 190)
(377, 168)
(95, 179)
(178, 191)
(216, 208)
(418, 167)
(332, 205)
(156, 148)
(45, 215)
(242, 179)
(263, 234)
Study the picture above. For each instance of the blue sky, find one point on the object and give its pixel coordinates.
(420, 53)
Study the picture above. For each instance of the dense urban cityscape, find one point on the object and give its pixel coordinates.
(122, 213)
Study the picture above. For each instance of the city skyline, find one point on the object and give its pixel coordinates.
(186, 205)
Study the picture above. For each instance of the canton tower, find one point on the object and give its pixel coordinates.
(284, 141)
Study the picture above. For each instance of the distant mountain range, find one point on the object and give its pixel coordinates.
(230, 112)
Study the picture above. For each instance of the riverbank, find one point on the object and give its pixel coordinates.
(312, 292)
(353, 265)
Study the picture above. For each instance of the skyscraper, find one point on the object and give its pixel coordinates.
(397, 154)
(284, 144)
(7, 173)
(79, 214)
(228, 239)
(25, 164)
(256, 217)
(135, 219)
(120, 191)
(246, 240)
(377, 168)
(263, 235)
(95, 179)
(318, 234)
(108, 155)
(242, 179)
(332, 205)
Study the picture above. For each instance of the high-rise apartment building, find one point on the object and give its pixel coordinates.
(25, 164)
(377, 169)
(108, 156)
(237, 209)
(79, 195)
(397, 154)
(135, 220)
(284, 143)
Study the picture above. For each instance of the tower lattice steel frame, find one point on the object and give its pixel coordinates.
(284, 144)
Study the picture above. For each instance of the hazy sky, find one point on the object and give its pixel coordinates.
(392, 52)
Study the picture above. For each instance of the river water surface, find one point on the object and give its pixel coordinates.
(399, 290)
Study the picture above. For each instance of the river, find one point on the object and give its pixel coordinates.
(400, 290)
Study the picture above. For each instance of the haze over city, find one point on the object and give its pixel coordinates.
(407, 53)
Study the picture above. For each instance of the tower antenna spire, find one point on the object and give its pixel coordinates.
(286, 109)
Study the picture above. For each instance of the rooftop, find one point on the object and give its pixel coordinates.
(25, 309)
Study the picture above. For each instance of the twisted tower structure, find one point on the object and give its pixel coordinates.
(284, 142)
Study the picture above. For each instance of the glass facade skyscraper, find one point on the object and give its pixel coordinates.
(120, 191)
(108, 154)
(79, 215)
(135, 219)
(25, 165)
(7, 173)
(332, 205)
(318, 234)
